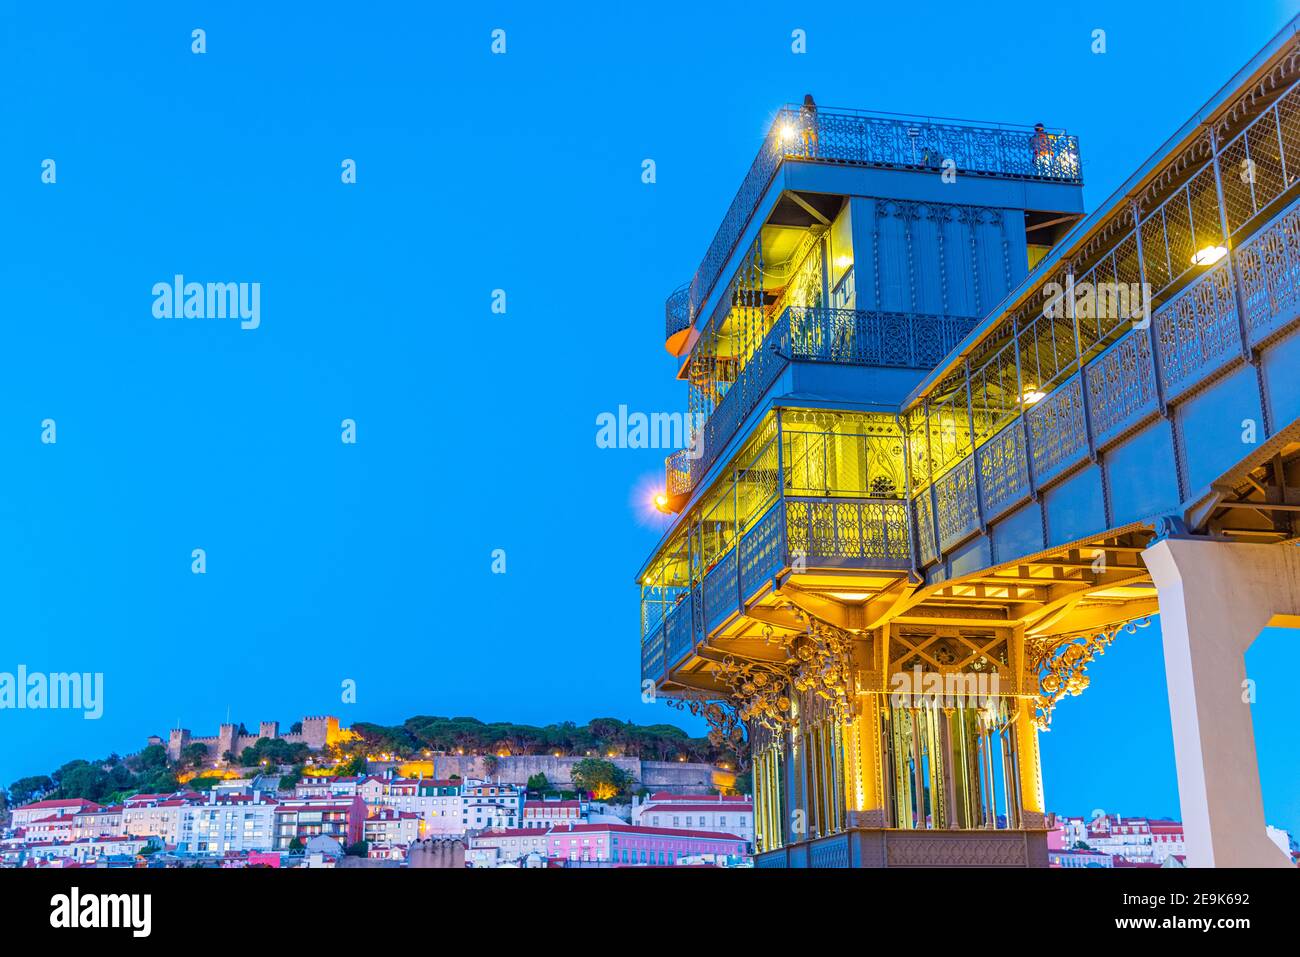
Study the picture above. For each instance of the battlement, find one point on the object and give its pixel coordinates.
(318, 731)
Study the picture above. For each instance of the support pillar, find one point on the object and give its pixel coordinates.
(1215, 597)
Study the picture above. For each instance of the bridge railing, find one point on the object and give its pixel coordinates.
(856, 138)
(1214, 262)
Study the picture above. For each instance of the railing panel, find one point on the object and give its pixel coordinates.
(1004, 469)
(652, 655)
(955, 504)
(926, 542)
(762, 551)
(720, 592)
(1121, 386)
(680, 472)
(1269, 266)
(677, 311)
(1057, 436)
(1197, 332)
(830, 531)
(862, 337)
(677, 630)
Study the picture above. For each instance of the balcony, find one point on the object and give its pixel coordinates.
(823, 495)
(811, 532)
(856, 138)
(800, 334)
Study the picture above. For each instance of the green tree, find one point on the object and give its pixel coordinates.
(538, 783)
(152, 758)
(359, 849)
(290, 780)
(604, 779)
(353, 766)
(194, 755)
(86, 781)
(28, 789)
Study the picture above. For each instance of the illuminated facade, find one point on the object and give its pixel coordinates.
(957, 438)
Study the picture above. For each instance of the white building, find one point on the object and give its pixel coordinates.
(229, 823)
(506, 846)
(720, 814)
(485, 805)
(549, 812)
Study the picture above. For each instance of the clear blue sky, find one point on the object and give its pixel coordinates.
(475, 431)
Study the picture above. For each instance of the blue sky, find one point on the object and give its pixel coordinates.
(475, 431)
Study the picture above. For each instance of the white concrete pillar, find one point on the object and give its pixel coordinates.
(1215, 597)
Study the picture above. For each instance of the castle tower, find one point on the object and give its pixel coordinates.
(177, 740)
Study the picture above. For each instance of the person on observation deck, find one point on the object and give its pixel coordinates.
(808, 125)
(1040, 145)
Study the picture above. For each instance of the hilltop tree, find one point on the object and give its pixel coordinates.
(194, 754)
(604, 779)
(29, 789)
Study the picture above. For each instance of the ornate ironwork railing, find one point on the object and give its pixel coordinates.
(835, 531)
(887, 339)
(677, 310)
(865, 139)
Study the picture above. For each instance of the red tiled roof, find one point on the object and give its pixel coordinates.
(721, 799)
(79, 803)
(675, 807)
(514, 832)
(668, 832)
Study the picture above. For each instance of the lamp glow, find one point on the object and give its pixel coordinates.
(788, 132)
(1209, 256)
(1032, 395)
(661, 501)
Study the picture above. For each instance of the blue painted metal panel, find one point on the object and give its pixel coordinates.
(1210, 426)
(1141, 474)
(971, 557)
(1019, 534)
(1075, 508)
(1281, 365)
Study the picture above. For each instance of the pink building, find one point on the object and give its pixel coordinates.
(623, 845)
(305, 818)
